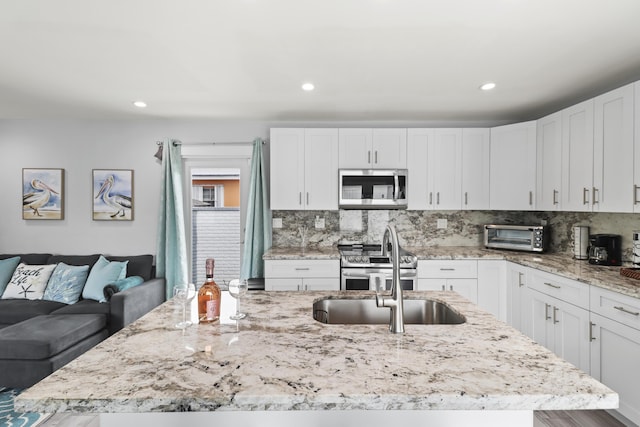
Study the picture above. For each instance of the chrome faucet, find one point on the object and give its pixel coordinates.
(395, 301)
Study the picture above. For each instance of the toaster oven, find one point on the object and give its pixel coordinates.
(516, 237)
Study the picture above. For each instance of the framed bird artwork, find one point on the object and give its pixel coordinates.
(42, 194)
(113, 194)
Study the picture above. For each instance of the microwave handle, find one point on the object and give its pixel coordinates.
(396, 186)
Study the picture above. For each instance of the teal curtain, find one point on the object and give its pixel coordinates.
(257, 234)
(171, 259)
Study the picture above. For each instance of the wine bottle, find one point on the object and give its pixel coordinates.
(209, 297)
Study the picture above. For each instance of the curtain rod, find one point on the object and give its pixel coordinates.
(210, 143)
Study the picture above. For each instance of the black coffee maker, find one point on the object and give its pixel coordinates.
(605, 249)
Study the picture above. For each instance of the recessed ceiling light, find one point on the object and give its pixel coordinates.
(488, 86)
(140, 104)
(308, 87)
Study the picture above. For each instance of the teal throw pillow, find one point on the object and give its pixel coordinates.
(66, 283)
(102, 273)
(7, 267)
(121, 285)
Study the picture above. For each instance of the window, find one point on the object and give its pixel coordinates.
(209, 195)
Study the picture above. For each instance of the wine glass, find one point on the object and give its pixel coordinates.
(184, 294)
(238, 288)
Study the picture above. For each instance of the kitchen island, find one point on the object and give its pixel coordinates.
(279, 366)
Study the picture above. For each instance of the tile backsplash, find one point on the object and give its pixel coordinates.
(463, 228)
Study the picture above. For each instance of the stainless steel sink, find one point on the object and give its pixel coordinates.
(365, 312)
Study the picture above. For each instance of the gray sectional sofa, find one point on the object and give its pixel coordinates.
(39, 336)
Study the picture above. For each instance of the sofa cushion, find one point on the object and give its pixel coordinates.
(45, 336)
(66, 283)
(16, 310)
(85, 306)
(139, 265)
(29, 281)
(102, 273)
(74, 259)
(7, 267)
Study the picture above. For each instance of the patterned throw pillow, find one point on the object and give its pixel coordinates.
(28, 281)
(66, 283)
(7, 267)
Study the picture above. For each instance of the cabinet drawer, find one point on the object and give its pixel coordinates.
(444, 269)
(615, 306)
(302, 268)
(567, 290)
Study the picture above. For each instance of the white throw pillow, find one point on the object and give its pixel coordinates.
(28, 281)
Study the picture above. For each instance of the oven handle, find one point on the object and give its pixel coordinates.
(405, 273)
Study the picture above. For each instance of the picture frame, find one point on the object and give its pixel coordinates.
(42, 194)
(112, 194)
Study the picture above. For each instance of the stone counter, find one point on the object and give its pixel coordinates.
(280, 359)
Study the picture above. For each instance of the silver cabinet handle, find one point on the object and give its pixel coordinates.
(593, 195)
(450, 287)
(307, 197)
(546, 311)
(591, 337)
(376, 157)
(624, 310)
(585, 196)
(443, 287)
(635, 194)
(298, 287)
(430, 198)
(552, 285)
(530, 198)
(466, 198)
(302, 268)
(306, 287)
(447, 269)
(438, 198)
(520, 279)
(300, 198)
(555, 197)
(555, 320)
(369, 156)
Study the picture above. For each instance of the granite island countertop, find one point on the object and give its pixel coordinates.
(280, 358)
(557, 263)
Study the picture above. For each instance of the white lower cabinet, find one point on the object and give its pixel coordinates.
(492, 287)
(302, 275)
(561, 327)
(516, 280)
(460, 276)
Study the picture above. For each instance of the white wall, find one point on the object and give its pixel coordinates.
(78, 146)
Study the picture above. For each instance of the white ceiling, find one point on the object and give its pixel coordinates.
(371, 60)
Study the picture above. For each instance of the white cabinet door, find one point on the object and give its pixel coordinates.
(445, 169)
(492, 287)
(355, 146)
(282, 284)
(571, 334)
(389, 148)
(517, 276)
(513, 167)
(373, 148)
(287, 169)
(636, 160)
(418, 142)
(613, 153)
(475, 168)
(615, 351)
(577, 157)
(321, 284)
(536, 317)
(321, 169)
(549, 162)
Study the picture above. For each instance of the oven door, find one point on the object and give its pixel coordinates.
(357, 279)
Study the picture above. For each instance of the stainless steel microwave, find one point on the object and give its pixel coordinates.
(530, 238)
(372, 188)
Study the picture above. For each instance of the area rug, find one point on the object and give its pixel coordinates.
(10, 418)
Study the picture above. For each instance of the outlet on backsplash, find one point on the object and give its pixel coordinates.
(276, 223)
(319, 223)
(441, 223)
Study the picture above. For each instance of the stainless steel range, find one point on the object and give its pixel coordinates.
(359, 263)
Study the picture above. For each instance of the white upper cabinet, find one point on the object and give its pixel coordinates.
(475, 168)
(636, 161)
(435, 166)
(549, 162)
(613, 151)
(513, 167)
(304, 169)
(373, 148)
(577, 157)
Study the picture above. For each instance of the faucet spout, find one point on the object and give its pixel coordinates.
(395, 301)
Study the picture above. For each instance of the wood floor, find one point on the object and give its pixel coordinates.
(542, 419)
